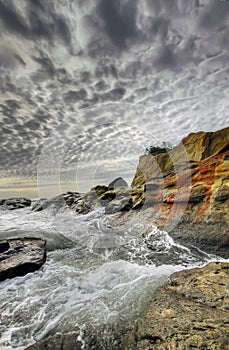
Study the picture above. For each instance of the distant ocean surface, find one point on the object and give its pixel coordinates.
(100, 269)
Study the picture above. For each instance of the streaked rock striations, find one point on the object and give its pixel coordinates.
(191, 179)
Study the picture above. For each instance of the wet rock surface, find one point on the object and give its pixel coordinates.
(14, 203)
(4, 245)
(191, 311)
(68, 341)
(21, 256)
(212, 238)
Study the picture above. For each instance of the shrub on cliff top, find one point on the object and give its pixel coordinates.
(154, 150)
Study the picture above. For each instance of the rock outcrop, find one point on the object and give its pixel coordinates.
(21, 256)
(188, 185)
(119, 182)
(191, 311)
(15, 203)
(191, 180)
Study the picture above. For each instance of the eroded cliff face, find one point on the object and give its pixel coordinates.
(191, 181)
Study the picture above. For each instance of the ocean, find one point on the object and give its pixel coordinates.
(100, 271)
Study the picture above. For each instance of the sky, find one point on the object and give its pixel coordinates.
(87, 85)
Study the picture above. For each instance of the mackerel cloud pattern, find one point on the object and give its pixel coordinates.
(99, 81)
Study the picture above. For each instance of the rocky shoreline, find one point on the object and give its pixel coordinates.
(190, 311)
(186, 192)
(21, 256)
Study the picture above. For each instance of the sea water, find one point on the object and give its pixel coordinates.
(100, 269)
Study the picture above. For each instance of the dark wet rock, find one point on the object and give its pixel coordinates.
(138, 204)
(4, 245)
(22, 256)
(222, 194)
(58, 202)
(116, 199)
(54, 240)
(212, 238)
(191, 311)
(100, 189)
(70, 200)
(66, 341)
(122, 203)
(108, 196)
(55, 202)
(15, 203)
(197, 194)
(119, 182)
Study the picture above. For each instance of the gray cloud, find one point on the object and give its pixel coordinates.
(98, 84)
(119, 20)
(216, 14)
(40, 21)
(165, 58)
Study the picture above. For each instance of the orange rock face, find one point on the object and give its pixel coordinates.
(190, 182)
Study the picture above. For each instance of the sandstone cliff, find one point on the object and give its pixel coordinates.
(192, 180)
(184, 191)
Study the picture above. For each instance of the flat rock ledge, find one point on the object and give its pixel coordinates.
(21, 256)
(191, 311)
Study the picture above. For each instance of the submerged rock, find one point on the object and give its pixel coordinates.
(191, 311)
(21, 256)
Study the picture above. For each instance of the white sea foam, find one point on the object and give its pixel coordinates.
(94, 274)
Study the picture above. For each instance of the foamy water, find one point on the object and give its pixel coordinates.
(95, 273)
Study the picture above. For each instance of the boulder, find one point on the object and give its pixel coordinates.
(116, 200)
(79, 203)
(21, 256)
(191, 311)
(119, 204)
(119, 182)
(100, 189)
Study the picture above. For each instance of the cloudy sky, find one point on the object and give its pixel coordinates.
(87, 85)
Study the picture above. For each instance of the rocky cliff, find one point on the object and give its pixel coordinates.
(192, 179)
(184, 191)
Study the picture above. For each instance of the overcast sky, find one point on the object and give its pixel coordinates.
(86, 86)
